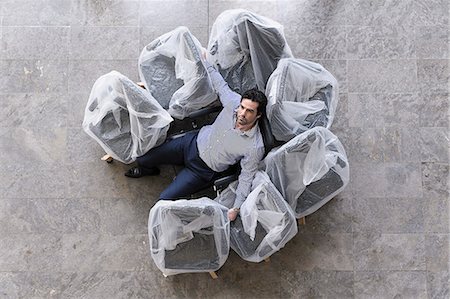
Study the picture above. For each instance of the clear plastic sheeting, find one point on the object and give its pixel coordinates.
(266, 221)
(301, 95)
(172, 70)
(189, 235)
(309, 170)
(124, 118)
(245, 48)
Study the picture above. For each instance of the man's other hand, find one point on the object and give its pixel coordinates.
(232, 213)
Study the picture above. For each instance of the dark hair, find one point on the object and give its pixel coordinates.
(255, 95)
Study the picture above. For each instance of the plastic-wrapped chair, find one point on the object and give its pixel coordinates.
(309, 170)
(172, 70)
(245, 48)
(266, 221)
(301, 95)
(189, 235)
(124, 118)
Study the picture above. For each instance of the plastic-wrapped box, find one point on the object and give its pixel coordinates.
(265, 223)
(172, 70)
(301, 95)
(189, 235)
(245, 48)
(309, 170)
(124, 118)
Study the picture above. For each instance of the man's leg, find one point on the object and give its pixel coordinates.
(171, 152)
(185, 184)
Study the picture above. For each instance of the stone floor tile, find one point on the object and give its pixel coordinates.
(35, 43)
(378, 12)
(431, 12)
(435, 144)
(383, 76)
(434, 110)
(313, 43)
(400, 108)
(30, 284)
(30, 252)
(334, 217)
(368, 180)
(388, 215)
(385, 42)
(150, 33)
(104, 43)
(402, 144)
(341, 119)
(436, 180)
(37, 76)
(402, 252)
(34, 110)
(364, 145)
(266, 8)
(438, 285)
(365, 110)
(317, 284)
(433, 75)
(318, 251)
(436, 214)
(82, 215)
(77, 138)
(432, 42)
(403, 180)
(84, 73)
(76, 105)
(96, 252)
(36, 12)
(390, 284)
(114, 284)
(437, 252)
(32, 146)
(98, 180)
(101, 13)
(317, 13)
(174, 13)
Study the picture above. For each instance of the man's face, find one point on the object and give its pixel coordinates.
(247, 114)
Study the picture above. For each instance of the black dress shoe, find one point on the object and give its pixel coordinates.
(137, 172)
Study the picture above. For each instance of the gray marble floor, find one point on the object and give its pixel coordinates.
(72, 226)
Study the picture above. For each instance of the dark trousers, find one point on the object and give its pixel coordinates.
(195, 176)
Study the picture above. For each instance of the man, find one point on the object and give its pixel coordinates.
(234, 136)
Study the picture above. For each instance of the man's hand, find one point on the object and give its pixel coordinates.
(232, 213)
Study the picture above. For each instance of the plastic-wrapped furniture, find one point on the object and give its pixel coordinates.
(309, 170)
(245, 48)
(189, 235)
(172, 70)
(301, 95)
(124, 118)
(265, 223)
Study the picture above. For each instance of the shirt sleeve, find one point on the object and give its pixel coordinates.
(226, 95)
(249, 166)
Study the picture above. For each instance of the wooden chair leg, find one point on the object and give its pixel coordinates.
(213, 275)
(107, 158)
(302, 221)
(140, 84)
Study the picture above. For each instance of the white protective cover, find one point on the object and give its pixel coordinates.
(245, 48)
(265, 223)
(173, 71)
(301, 95)
(189, 235)
(309, 170)
(124, 118)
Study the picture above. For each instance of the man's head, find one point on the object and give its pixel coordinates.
(252, 107)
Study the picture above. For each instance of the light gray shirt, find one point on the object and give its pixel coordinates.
(221, 145)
